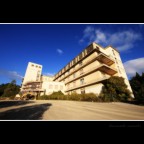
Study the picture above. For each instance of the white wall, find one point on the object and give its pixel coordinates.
(32, 72)
(94, 88)
(51, 87)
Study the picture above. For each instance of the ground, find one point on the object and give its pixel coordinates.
(69, 110)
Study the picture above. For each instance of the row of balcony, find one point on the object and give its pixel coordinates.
(32, 90)
(101, 57)
(87, 83)
(31, 83)
(77, 59)
(102, 67)
(89, 50)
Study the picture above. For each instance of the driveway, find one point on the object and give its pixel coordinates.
(69, 110)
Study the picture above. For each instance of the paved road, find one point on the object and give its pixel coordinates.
(69, 110)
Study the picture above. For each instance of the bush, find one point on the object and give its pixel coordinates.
(54, 96)
(75, 97)
(115, 89)
(43, 97)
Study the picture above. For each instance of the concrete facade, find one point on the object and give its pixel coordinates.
(85, 73)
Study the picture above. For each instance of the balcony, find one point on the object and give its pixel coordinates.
(33, 90)
(102, 67)
(101, 57)
(108, 70)
(78, 68)
(87, 83)
(105, 59)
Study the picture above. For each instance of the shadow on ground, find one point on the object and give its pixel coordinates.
(33, 112)
(4, 104)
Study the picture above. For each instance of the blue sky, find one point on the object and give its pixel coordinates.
(54, 45)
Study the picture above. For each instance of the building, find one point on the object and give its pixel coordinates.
(51, 86)
(37, 84)
(83, 74)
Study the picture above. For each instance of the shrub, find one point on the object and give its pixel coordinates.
(74, 97)
(115, 89)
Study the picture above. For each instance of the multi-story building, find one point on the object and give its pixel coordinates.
(83, 74)
(51, 86)
(37, 84)
(32, 79)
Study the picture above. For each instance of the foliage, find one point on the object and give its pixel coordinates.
(2, 88)
(9, 89)
(137, 84)
(75, 97)
(115, 89)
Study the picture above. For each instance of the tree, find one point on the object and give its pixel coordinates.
(11, 89)
(115, 89)
(137, 84)
(2, 88)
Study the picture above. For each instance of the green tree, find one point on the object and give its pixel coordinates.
(11, 89)
(137, 84)
(115, 89)
(2, 88)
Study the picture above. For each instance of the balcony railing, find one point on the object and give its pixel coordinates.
(87, 83)
(37, 89)
(105, 59)
(101, 57)
(102, 67)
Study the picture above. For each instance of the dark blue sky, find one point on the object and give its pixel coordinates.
(54, 45)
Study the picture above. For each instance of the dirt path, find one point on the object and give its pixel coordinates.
(69, 110)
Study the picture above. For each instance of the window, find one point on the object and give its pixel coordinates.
(82, 91)
(74, 61)
(74, 75)
(56, 86)
(32, 65)
(82, 81)
(74, 84)
(89, 49)
(113, 52)
(80, 63)
(61, 87)
(38, 76)
(84, 53)
(68, 86)
(67, 78)
(74, 68)
(80, 56)
(39, 66)
(68, 71)
(50, 86)
(81, 71)
(68, 65)
(36, 66)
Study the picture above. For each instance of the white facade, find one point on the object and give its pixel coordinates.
(51, 87)
(33, 72)
(48, 86)
(119, 65)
